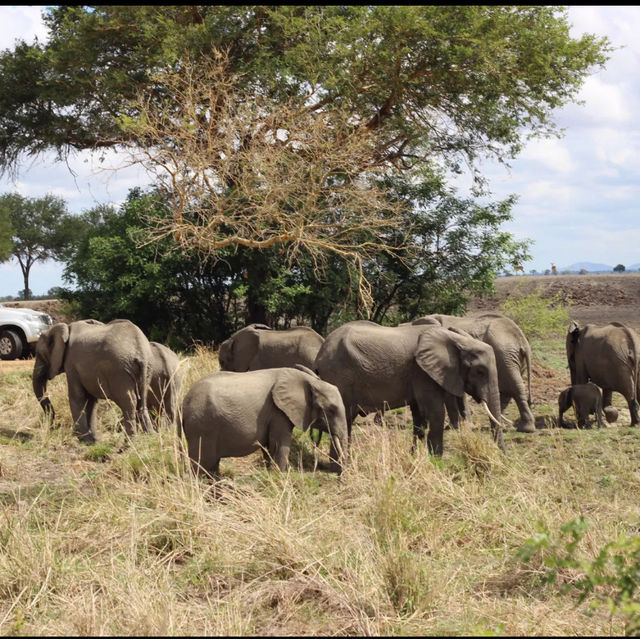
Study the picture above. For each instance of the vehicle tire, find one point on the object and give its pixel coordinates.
(10, 345)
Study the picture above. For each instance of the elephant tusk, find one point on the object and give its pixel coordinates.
(491, 416)
(338, 447)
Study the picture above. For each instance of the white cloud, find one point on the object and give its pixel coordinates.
(21, 23)
(551, 153)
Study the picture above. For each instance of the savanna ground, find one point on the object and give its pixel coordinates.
(95, 541)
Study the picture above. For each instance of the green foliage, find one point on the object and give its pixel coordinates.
(173, 297)
(611, 579)
(619, 268)
(100, 452)
(462, 248)
(6, 232)
(396, 68)
(538, 316)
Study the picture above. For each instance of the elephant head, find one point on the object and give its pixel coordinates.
(460, 364)
(565, 400)
(235, 353)
(50, 351)
(308, 401)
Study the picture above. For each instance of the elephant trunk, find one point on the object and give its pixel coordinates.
(39, 380)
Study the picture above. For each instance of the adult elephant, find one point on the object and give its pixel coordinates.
(512, 352)
(608, 356)
(101, 361)
(379, 367)
(227, 414)
(166, 381)
(257, 346)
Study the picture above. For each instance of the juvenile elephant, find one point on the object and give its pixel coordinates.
(586, 400)
(257, 346)
(428, 367)
(608, 356)
(166, 381)
(227, 414)
(101, 361)
(512, 352)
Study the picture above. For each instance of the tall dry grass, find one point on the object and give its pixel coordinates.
(398, 544)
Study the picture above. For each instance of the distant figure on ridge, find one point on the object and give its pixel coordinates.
(554, 271)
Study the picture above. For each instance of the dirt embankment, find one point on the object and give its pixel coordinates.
(52, 306)
(596, 299)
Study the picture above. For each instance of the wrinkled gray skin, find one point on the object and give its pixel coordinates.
(257, 346)
(586, 400)
(512, 352)
(101, 361)
(166, 381)
(608, 356)
(227, 414)
(379, 367)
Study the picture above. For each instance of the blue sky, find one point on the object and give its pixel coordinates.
(578, 196)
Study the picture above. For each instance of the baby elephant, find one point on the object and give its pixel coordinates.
(586, 400)
(228, 414)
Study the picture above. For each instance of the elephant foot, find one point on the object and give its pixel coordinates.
(526, 427)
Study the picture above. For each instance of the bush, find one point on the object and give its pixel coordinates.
(538, 316)
(611, 579)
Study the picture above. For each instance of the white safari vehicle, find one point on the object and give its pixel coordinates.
(20, 329)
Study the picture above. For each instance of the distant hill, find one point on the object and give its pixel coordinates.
(591, 267)
(633, 267)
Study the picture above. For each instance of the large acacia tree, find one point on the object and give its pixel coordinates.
(328, 97)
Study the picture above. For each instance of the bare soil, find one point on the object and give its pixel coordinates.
(593, 299)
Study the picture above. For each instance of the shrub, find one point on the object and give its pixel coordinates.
(538, 316)
(611, 579)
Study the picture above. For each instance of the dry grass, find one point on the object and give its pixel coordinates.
(396, 545)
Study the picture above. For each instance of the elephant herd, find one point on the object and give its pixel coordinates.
(274, 380)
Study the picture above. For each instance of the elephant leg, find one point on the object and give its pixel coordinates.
(280, 443)
(436, 429)
(607, 397)
(128, 408)
(633, 409)
(83, 411)
(453, 410)
(527, 422)
(203, 456)
(418, 425)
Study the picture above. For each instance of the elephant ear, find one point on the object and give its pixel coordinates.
(292, 395)
(574, 330)
(308, 371)
(57, 338)
(427, 320)
(438, 354)
(259, 327)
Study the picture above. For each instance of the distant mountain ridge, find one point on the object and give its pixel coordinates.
(591, 267)
(595, 267)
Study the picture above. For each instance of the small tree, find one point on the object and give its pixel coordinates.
(5, 235)
(619, 268)
(42, 229)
